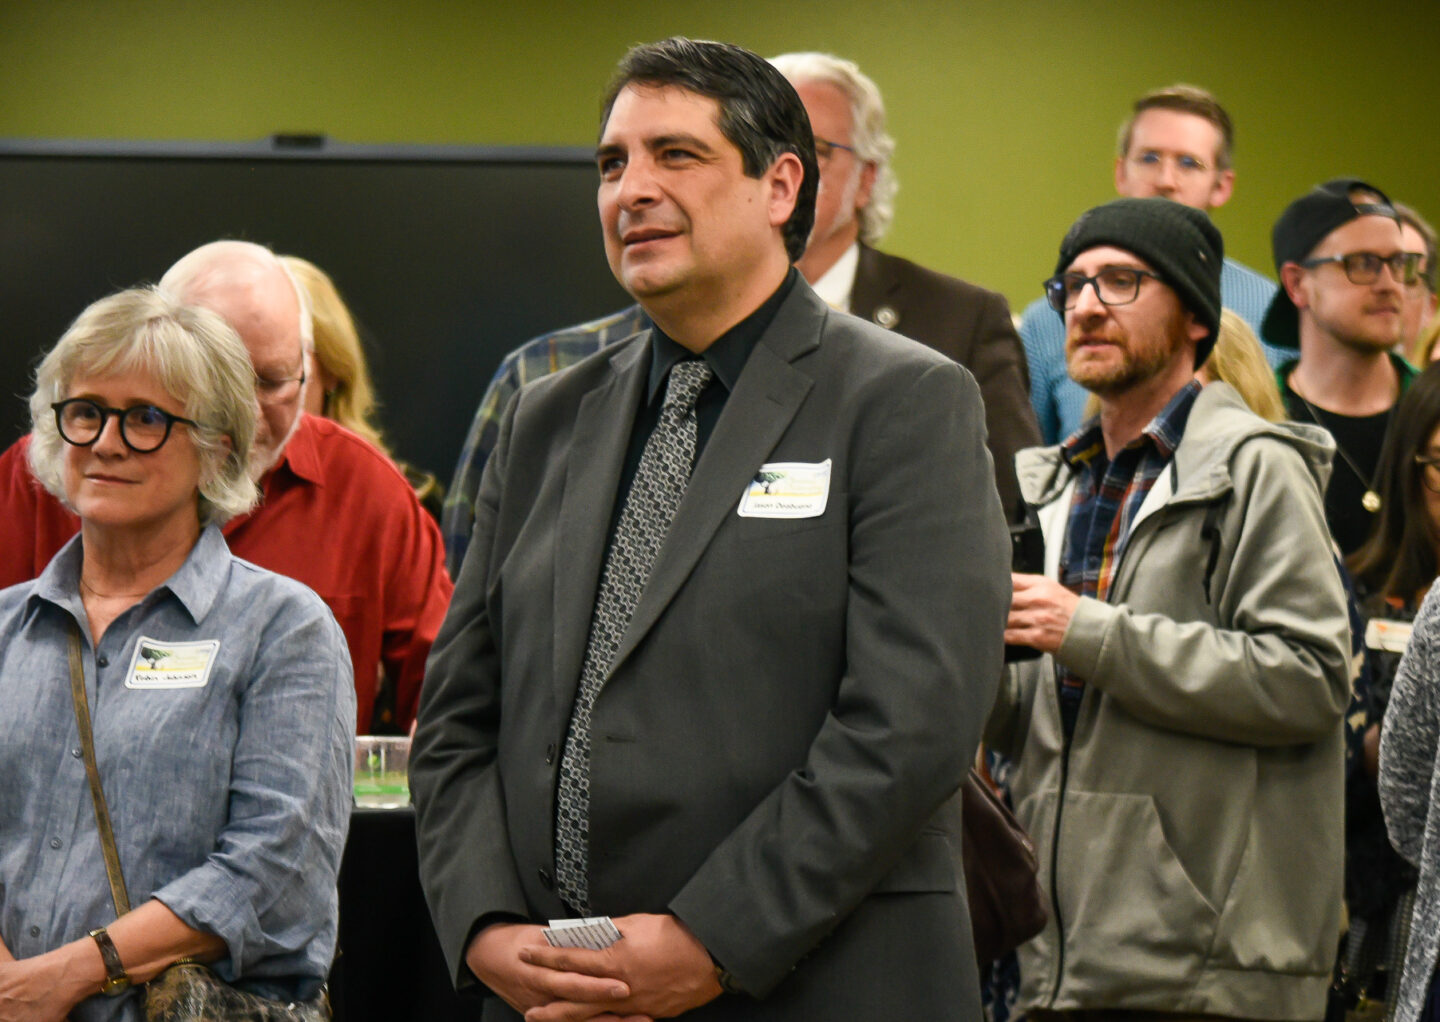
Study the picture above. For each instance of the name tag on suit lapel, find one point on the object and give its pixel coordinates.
(787, 489)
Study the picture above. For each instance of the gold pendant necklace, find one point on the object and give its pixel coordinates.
(1371, 500)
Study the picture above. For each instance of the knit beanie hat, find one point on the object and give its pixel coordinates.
(1179, 242)
(1305, 223)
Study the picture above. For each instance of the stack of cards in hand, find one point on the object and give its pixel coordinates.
(596, 933)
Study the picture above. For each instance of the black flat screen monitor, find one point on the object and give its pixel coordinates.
(448, 256)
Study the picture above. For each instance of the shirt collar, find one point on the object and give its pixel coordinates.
(1164, 431)
(730, 351)
(301, 455)
(196, 584)
(59, 583)
(836, 284)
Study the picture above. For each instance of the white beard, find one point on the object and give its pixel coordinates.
(261, 464)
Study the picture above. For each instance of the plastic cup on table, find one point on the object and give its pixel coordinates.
(381, 772)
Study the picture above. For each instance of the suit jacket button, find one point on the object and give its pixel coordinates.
(546, 880)
(887, 316)
(550, 754)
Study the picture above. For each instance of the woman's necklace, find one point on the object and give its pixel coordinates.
(109, 596)
(1371, 501)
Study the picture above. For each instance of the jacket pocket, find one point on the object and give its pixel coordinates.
(1127, 905)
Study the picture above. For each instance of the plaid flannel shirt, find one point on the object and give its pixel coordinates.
(535, 358)
(1108, 495)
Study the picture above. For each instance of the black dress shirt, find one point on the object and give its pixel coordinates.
(727, 357)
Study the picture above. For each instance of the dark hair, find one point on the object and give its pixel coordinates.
(1185, 99)
(760, 112)
(1399, 559)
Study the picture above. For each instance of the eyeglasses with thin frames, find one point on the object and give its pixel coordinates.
(1114, 285)
(1429, 472)
(274, 392)
(825, 149)
(1150, 161)
(143, 428)
(1364, 267)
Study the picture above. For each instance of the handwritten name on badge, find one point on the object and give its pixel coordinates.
(787, 489)
(160, 665)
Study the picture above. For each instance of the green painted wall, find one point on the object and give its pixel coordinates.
(1005, 112)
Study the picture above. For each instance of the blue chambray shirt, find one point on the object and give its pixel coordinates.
(230, 800)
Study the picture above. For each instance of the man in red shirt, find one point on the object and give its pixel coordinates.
(335, 513)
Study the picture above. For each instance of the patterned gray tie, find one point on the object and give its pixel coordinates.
(649, 508)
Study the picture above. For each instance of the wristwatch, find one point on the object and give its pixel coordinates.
(723, 977)
(117, 980)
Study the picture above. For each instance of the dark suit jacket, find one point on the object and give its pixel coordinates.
(794, 699)
(972, 326)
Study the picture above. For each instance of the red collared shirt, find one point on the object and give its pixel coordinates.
(336, 515)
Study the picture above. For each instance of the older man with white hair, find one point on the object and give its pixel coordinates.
(852, 213)
(335, 513)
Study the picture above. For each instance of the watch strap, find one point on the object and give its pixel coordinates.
(726, 981)
(117, 979)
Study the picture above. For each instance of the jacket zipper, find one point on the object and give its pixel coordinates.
(1055, 863)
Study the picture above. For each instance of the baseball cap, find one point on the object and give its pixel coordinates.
(1305, 223)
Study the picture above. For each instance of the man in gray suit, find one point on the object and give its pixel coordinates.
(730, 622)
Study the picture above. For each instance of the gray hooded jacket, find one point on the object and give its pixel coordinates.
(1190, 832)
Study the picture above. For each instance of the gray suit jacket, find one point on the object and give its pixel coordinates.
(792, 704)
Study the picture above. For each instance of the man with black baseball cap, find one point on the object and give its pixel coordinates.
(1339, 254)
(1195, 643)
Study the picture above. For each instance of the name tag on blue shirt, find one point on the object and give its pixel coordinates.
(161, 665)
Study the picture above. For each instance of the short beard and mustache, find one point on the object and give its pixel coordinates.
(1142, 361)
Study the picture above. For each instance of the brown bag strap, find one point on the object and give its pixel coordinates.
(97, 796)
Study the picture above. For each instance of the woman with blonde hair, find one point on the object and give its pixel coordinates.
(210, 790)
(1239, 360)
(1424, 351)
(345, 393)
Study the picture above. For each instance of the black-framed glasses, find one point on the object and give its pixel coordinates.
(1429, 472)
(143, 428)
(1114, 285)
(1364, 267)
(824, 148)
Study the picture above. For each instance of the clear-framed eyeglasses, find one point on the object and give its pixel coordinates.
(1152, 161)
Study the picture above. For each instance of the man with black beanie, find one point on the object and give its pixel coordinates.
(1194, 670)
